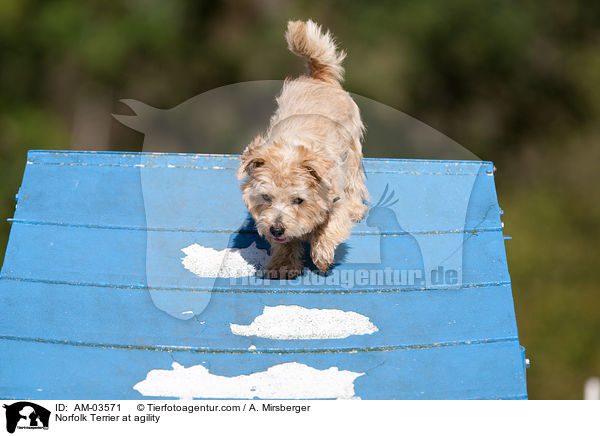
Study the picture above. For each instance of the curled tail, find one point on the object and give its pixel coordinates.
(306, 39)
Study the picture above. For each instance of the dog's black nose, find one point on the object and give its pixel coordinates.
(277, 231)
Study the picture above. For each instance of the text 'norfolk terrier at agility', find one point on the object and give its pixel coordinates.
(303, 179)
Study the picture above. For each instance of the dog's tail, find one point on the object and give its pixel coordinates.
(306, 39)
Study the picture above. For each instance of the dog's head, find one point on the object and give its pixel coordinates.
(286, 187)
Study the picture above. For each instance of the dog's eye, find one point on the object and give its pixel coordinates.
(266, 198)
(297, 200)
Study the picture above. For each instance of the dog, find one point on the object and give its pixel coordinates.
(303, 180)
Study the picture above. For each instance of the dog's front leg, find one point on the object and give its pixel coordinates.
(325, 239)
(286, 260)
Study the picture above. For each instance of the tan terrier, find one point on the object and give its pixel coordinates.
(303, 179)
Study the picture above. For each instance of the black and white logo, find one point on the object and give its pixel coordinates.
(26, 415)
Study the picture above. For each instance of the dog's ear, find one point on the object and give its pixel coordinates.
(248, 166)
(251, 158)
(316, 166)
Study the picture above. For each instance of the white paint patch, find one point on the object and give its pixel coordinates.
(230, 262)
(297, 322)
(290, 380)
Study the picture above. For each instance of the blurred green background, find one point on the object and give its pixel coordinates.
(517, 83)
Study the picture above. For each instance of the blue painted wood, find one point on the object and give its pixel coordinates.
(170, 192)
(403, 319)
(476, 371)
(93, 281)
(73, 254)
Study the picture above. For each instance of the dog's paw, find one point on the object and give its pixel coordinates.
(282, 273)
(322, 265)
(322, 259)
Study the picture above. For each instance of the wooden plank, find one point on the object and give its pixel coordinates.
(115, 257)
(169, 193)
(37, 370)
(96, 316)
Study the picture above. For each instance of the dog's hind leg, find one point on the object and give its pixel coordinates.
(356, 191)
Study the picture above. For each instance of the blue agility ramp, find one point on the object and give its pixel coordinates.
(137, 275)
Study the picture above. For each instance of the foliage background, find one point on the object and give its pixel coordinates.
(514, 82)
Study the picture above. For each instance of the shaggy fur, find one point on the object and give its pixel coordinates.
(303, 179)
